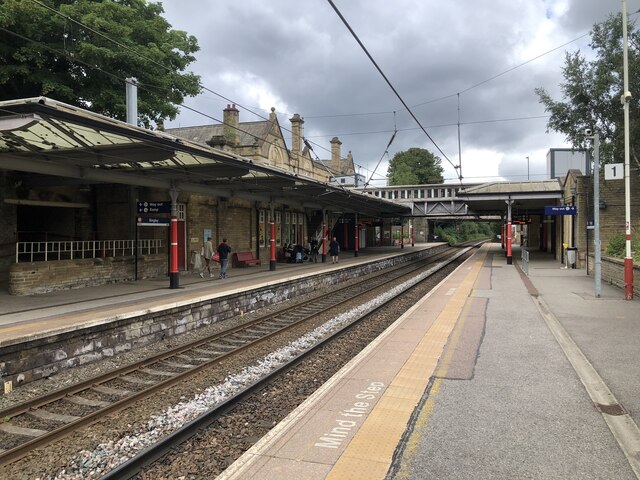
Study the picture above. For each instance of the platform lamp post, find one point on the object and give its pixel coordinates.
(509, 240)
(324, 236)
(527, 169)
(626, 98)
(357, 236)
(272, 239)
(174, 274)
(597, 271)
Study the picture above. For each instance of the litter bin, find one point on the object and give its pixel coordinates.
(572, 253)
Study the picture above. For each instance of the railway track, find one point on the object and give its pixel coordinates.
(99, 396)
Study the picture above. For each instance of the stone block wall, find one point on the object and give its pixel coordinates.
(8, 224)
(24, 361)
(237, 223)
(613, 273)
(43, 277)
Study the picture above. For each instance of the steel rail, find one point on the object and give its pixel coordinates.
(13, 454)
(134, 465)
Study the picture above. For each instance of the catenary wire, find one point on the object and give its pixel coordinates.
(355, 36)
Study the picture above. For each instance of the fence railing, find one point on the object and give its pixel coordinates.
(69, 250)
(525, 260)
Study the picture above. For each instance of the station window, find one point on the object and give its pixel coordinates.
(403, 194)
(287, 227)
(293, 233)
(262, 228)
(182, 212)
(278, 227)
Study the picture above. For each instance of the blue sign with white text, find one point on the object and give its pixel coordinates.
(560, 210)
(154, 207)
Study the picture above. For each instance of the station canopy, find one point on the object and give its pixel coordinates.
(528, 197)
(67, 145)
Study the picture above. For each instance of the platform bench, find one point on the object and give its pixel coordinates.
(244, 259)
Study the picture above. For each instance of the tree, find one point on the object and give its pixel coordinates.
(415, 166)
(592, 90)
(71, 56)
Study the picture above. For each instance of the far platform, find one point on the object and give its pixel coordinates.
(72, 309)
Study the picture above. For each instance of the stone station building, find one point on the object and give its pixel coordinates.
(74, 186)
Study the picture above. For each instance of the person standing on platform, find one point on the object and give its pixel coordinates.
(334, 250)
(207, 253)
(224, 250)
(313, 250)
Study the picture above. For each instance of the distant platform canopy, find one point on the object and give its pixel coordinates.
(67, 145)
(530, 197)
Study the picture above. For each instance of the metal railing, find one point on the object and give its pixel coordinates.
(525, 260)
(69, 250)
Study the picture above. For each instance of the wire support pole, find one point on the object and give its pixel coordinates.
(626, 98)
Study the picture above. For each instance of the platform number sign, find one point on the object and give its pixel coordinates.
(614, 171)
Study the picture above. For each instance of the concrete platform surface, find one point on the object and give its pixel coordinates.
(492, 375)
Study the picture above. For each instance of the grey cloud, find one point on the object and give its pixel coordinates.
(304, 56)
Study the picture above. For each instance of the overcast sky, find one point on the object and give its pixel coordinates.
(298, 57)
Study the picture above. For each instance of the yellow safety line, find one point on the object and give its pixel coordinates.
(370, 453)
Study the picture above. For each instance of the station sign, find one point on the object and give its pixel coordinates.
(154, 207)
(614, 171)
(560, 210)
(153, 222)
(521, 219)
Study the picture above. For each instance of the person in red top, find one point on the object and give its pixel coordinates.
(224, 250)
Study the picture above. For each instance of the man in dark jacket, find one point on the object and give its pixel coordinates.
(224, 250)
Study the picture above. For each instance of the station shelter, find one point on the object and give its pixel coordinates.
(557, 215)
(526, 220)
(89, 200)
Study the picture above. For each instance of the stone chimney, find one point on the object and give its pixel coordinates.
(231, 119)
(335, 156)
(296, 135)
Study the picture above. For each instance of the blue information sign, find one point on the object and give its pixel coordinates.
(154, 207)
(153, 222)
(560, 210)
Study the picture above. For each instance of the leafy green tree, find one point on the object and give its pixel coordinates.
(44, 53)
(592, 90)
(415, 166)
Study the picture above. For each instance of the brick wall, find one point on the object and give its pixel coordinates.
(237, 223)
(42, 277)
(8, 224)
(612, 215)
(612, 270)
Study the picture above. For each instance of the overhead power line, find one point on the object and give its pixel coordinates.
(390, 84)
(155, 62)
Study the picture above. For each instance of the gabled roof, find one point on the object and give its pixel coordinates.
(251, 133)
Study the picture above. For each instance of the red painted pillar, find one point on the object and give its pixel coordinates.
(174, 277)
(628, 277)
(324, 242)
(509, 253)
(272, 244)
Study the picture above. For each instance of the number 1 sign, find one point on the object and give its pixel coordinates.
(614, 171)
